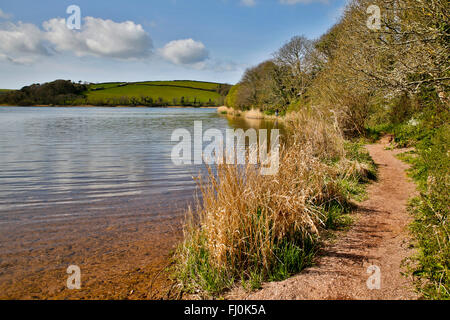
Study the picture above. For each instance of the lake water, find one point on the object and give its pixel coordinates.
(77, 184)
(53, 157)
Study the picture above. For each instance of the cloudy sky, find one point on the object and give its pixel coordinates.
(136, 40)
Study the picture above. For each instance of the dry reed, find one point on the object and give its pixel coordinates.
(245, 217)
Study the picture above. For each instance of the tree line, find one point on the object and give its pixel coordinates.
(59, 92)
(353, 70)
(148, 101)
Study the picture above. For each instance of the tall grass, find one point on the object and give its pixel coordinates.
(248, 114)
(252, 227)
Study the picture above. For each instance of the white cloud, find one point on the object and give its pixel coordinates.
(25, 43)
(185, 52)
(21, 42)
(226, 66)
(291, 2)
(101, 38)
(4, 15)
(248, 3)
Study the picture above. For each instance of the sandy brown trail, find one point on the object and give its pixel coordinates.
(378, 237)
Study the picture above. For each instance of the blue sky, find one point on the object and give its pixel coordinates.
(212, 40)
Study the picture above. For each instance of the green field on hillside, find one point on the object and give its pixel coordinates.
(145, 93)
(160, 92)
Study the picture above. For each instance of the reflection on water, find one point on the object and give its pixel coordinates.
(246, 123)
(58, 156)
(59, 163)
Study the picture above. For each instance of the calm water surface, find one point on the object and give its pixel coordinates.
(58, 164)
(92, 187)
(54, 157)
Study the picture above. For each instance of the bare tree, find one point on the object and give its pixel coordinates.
(294, 61)
(410, 49)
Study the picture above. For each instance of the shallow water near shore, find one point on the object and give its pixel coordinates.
(93, 187)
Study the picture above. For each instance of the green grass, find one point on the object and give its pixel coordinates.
(353, 187)
(337, 215)
(198, 273)
(430, 165)
(199, 276)
(105, 85)
(425, 128)
(171, 92)
(184, 83)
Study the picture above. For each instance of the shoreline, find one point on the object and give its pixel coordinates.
(253, 114)
(92, 106)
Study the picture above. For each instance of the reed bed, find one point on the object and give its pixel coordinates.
(248, 114)
(251, 227)
(223, 109)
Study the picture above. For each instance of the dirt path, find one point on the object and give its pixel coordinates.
(378, 237)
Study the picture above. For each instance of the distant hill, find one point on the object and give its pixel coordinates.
(147, 93)
(182, 92)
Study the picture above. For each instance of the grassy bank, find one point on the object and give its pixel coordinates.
(430, 165)
(421, 121)
(251, 228)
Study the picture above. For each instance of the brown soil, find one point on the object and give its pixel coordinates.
(378, 237)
